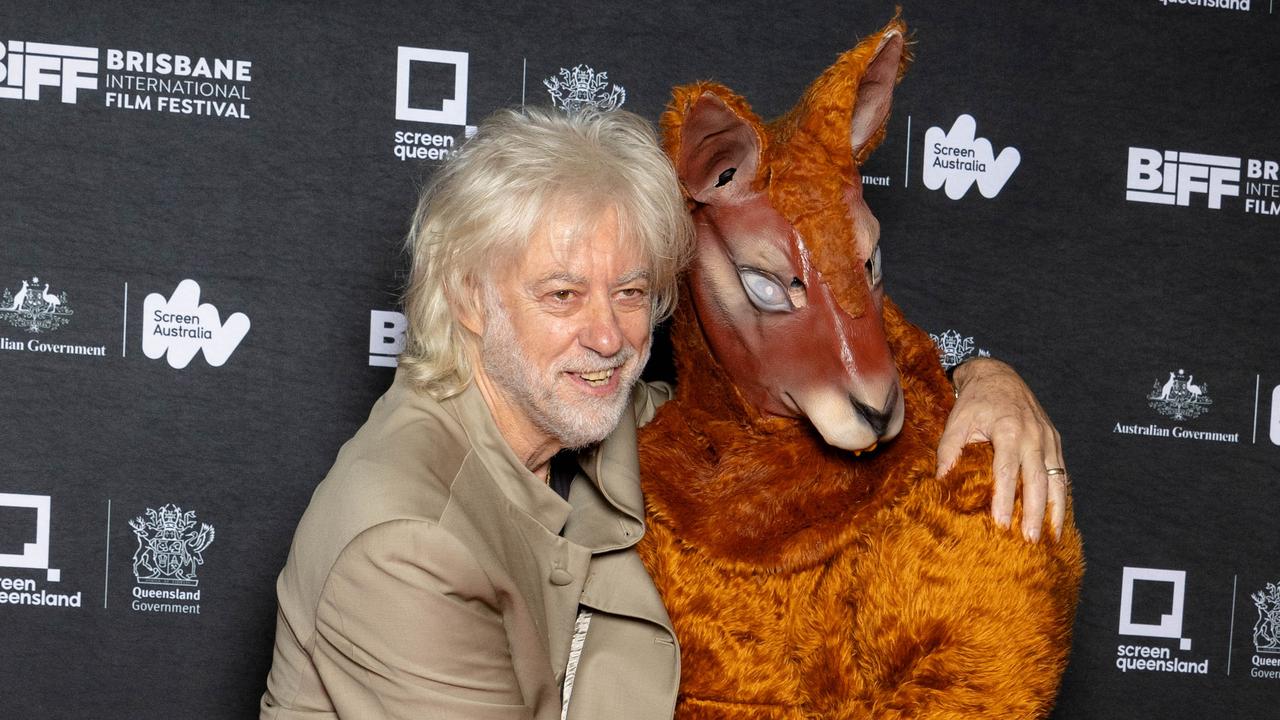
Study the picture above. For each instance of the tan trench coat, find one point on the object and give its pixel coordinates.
(429, 578)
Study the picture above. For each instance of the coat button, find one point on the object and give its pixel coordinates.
(560, 576)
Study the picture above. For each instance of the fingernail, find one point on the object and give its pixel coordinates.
(1004, 521)
(1032, 534)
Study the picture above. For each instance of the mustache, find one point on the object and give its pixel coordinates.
(594, 362)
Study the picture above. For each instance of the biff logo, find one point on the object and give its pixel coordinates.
(1171, 178)
(26, 67)
(386, 337)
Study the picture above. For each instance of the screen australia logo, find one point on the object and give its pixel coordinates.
(181, 326)
(170, 548)
(1180, 398)
(957, 159)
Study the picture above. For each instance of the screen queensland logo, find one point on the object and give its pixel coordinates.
(1193, 179)
(147, 80)
(431, 93)
(170, 551)
(34, 582)
(1152, 601)
(957, 159)
(180, 326)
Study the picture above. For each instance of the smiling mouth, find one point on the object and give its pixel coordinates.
(599, 378)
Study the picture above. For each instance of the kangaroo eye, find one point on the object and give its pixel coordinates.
(764, 292)
(874, 273)
(725, 177)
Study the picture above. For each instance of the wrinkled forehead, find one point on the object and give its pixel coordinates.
(572, 239)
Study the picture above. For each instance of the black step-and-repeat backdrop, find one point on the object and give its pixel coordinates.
(201, 210)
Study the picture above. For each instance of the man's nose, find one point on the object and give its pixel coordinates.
(600, 330)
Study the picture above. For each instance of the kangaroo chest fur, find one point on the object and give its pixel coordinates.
(767, 546)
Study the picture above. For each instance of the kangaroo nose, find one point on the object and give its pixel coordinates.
(877, 419)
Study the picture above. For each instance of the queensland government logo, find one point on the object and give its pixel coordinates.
(34, 309)
(1266, 632)
(17, 590)
(582, 88)
(170, 548)
(957, 159)
(953, 348)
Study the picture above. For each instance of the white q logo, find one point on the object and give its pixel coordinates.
(34, 555)
(453, 108)
(1170, 625)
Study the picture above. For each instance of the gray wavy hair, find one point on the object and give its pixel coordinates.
(510, 179)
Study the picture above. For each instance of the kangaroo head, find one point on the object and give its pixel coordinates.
(786, 282)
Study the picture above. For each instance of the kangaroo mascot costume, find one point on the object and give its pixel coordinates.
(812, 565)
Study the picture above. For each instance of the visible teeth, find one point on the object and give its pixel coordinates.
(597, 378)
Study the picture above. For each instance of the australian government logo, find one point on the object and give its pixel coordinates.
(1180, 398)
(170, 549)
(146, 80)
(582, 88)
(1152, 601)
(1193, 179)
(954, 348)
(21, 588)
(431, 89)
(39, 309)
(1266, 633)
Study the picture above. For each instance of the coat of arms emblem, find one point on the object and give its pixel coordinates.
(169, 546)
(582, 88)
(954, 349)
(33, 308)
(1180, 397)
(1266, 632)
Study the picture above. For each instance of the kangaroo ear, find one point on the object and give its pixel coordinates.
(847, 107)
(715, 142)
(875, 96)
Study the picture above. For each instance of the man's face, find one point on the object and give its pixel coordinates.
(567, 332)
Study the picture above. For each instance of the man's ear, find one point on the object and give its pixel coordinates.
(469, 305)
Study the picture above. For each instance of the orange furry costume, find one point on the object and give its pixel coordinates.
(804, 582)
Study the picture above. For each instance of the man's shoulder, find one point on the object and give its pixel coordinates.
(399, 465)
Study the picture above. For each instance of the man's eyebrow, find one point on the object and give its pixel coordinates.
(562, 276)
(637, 274)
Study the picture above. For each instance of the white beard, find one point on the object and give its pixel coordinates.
(548, 398)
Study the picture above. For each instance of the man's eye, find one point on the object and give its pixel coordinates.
(633, 292)
(764, 292)
(563, 295)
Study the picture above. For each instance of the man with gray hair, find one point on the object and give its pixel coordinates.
(473, 545)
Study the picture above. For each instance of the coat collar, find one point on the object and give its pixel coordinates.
(612, 466)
